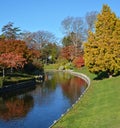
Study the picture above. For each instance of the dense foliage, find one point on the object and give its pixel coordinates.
(15, 54)
(102, 49)
(78, 62)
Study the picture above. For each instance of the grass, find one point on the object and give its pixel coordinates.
(98, 108)
(14, 78)
(51, 66)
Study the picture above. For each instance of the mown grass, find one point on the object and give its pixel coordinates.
(98, 108)
(51, 66)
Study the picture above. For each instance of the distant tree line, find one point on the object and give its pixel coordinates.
(31, 50)
(92, 41)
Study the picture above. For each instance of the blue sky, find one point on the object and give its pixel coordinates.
(47, 15)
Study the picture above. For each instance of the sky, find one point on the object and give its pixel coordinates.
(47, 15)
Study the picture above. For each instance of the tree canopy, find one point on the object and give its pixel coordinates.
(15, 54)
(102, 49)
(10, 32)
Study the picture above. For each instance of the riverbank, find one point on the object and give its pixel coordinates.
(15, 82)
(14, 78)
(98, 108)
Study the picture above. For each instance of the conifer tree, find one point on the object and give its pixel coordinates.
(102, 49)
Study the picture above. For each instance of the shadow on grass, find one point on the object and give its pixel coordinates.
(103, 75)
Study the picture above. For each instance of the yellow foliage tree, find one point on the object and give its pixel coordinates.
(102, 49)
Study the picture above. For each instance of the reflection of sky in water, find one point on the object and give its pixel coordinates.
(49, 77)
(83, 88)
(50, 100)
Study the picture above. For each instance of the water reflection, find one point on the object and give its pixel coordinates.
(15, 107)
(42, 105)
(72, 86)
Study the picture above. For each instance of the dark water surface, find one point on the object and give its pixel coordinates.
(39, 107)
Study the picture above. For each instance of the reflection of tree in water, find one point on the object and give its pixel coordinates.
(73, 88)
(16, 107)
(46, 89)
(50, 82)
(51, 78)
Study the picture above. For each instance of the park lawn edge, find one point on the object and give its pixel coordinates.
(98, 107)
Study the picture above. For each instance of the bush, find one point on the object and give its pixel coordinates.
(1, 82)
(78, 62)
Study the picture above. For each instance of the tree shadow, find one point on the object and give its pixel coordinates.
(101, 75)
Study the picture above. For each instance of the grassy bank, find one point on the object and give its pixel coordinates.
(14, 78)
(98, 108)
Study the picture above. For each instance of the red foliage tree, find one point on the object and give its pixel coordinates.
(33, 54)
(78, 61)
(15, 53)
(68, 52)
(18, 47)
(11, 60)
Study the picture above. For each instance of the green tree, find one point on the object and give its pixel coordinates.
(102, 49)
(66, 41)
(10, 32)
(49, 53)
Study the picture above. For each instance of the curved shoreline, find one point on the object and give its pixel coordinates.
(87, 80)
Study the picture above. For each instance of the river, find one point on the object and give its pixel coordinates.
(38, 107)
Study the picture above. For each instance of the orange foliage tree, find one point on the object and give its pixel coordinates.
(78, 61)
(15, 53)
(18, 47)
(68, 52)
(11, 60)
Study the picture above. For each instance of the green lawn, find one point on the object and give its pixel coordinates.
(98, 108)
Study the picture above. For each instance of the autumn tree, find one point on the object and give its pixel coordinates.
(78, 62)
(102, 49)
(11, 60)
(19, 47)
(68, 52)
(15, 53)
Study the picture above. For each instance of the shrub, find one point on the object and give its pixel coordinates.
(78, 62)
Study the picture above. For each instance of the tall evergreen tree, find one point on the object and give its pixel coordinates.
(10, 32)
(102, 49)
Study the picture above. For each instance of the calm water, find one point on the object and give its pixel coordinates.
(40, 106)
